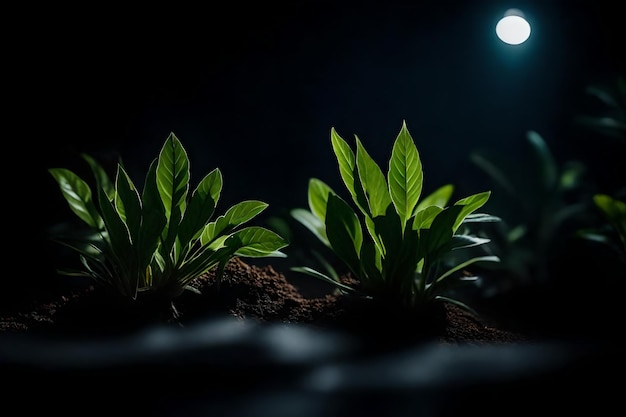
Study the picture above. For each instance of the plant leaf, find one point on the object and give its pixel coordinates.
(153, 218)
(78, 195)
(201, 207)
(424, 218)
(481, 218)
(318, 197)
(371, 263)
(470, 204)
(173, 175)
(311, 222)
(102, 179)
(346, 160)
(440, 198)
(465, 264)
(405, 175)
(466, 241)
(348, 170)
(399, 260)
(344, 232)
(373, 182)
(234, 216)
(323, 277)
(202, 261)
(128, 203)
(547, 166)
(120, 245)
(256, 242)
(440, 232)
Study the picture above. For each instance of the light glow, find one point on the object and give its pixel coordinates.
(513, 28)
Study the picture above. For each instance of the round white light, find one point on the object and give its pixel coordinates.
(513, 28)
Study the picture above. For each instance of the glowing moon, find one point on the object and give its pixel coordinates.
(513, 28)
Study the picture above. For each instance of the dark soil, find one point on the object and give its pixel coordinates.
(78, 352)
(257, 293)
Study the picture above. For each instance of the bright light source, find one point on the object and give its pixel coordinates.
(513, 28)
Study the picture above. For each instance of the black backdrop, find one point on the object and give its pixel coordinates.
(254, 87)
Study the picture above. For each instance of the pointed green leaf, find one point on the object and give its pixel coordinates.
(173, 185)
(128, 203)
(256, 242)
(440, 198)
(201, 207)
(424, 218)
(234, 216)
(102, 179)
(470, 204)
(318, 197)
(311, 222)
(348, 171)
(345, 159)
(373, 182)
(405, 175)
(78, 195)
(153, 217)
(173, 175)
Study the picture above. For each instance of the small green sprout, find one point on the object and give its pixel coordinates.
(400, 248)
(161, 239)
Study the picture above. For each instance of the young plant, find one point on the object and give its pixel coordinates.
(161, 239)
(399, 248)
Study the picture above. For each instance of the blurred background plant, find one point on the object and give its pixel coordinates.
(613, 233)
(609, 123)
(562, 237)
(539, 203)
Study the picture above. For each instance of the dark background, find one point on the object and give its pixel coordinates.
(254, 87)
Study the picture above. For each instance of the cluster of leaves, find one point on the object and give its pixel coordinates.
(539, 208)
(162, 239)
(544, 204)
(610, 124)
(399, 248)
